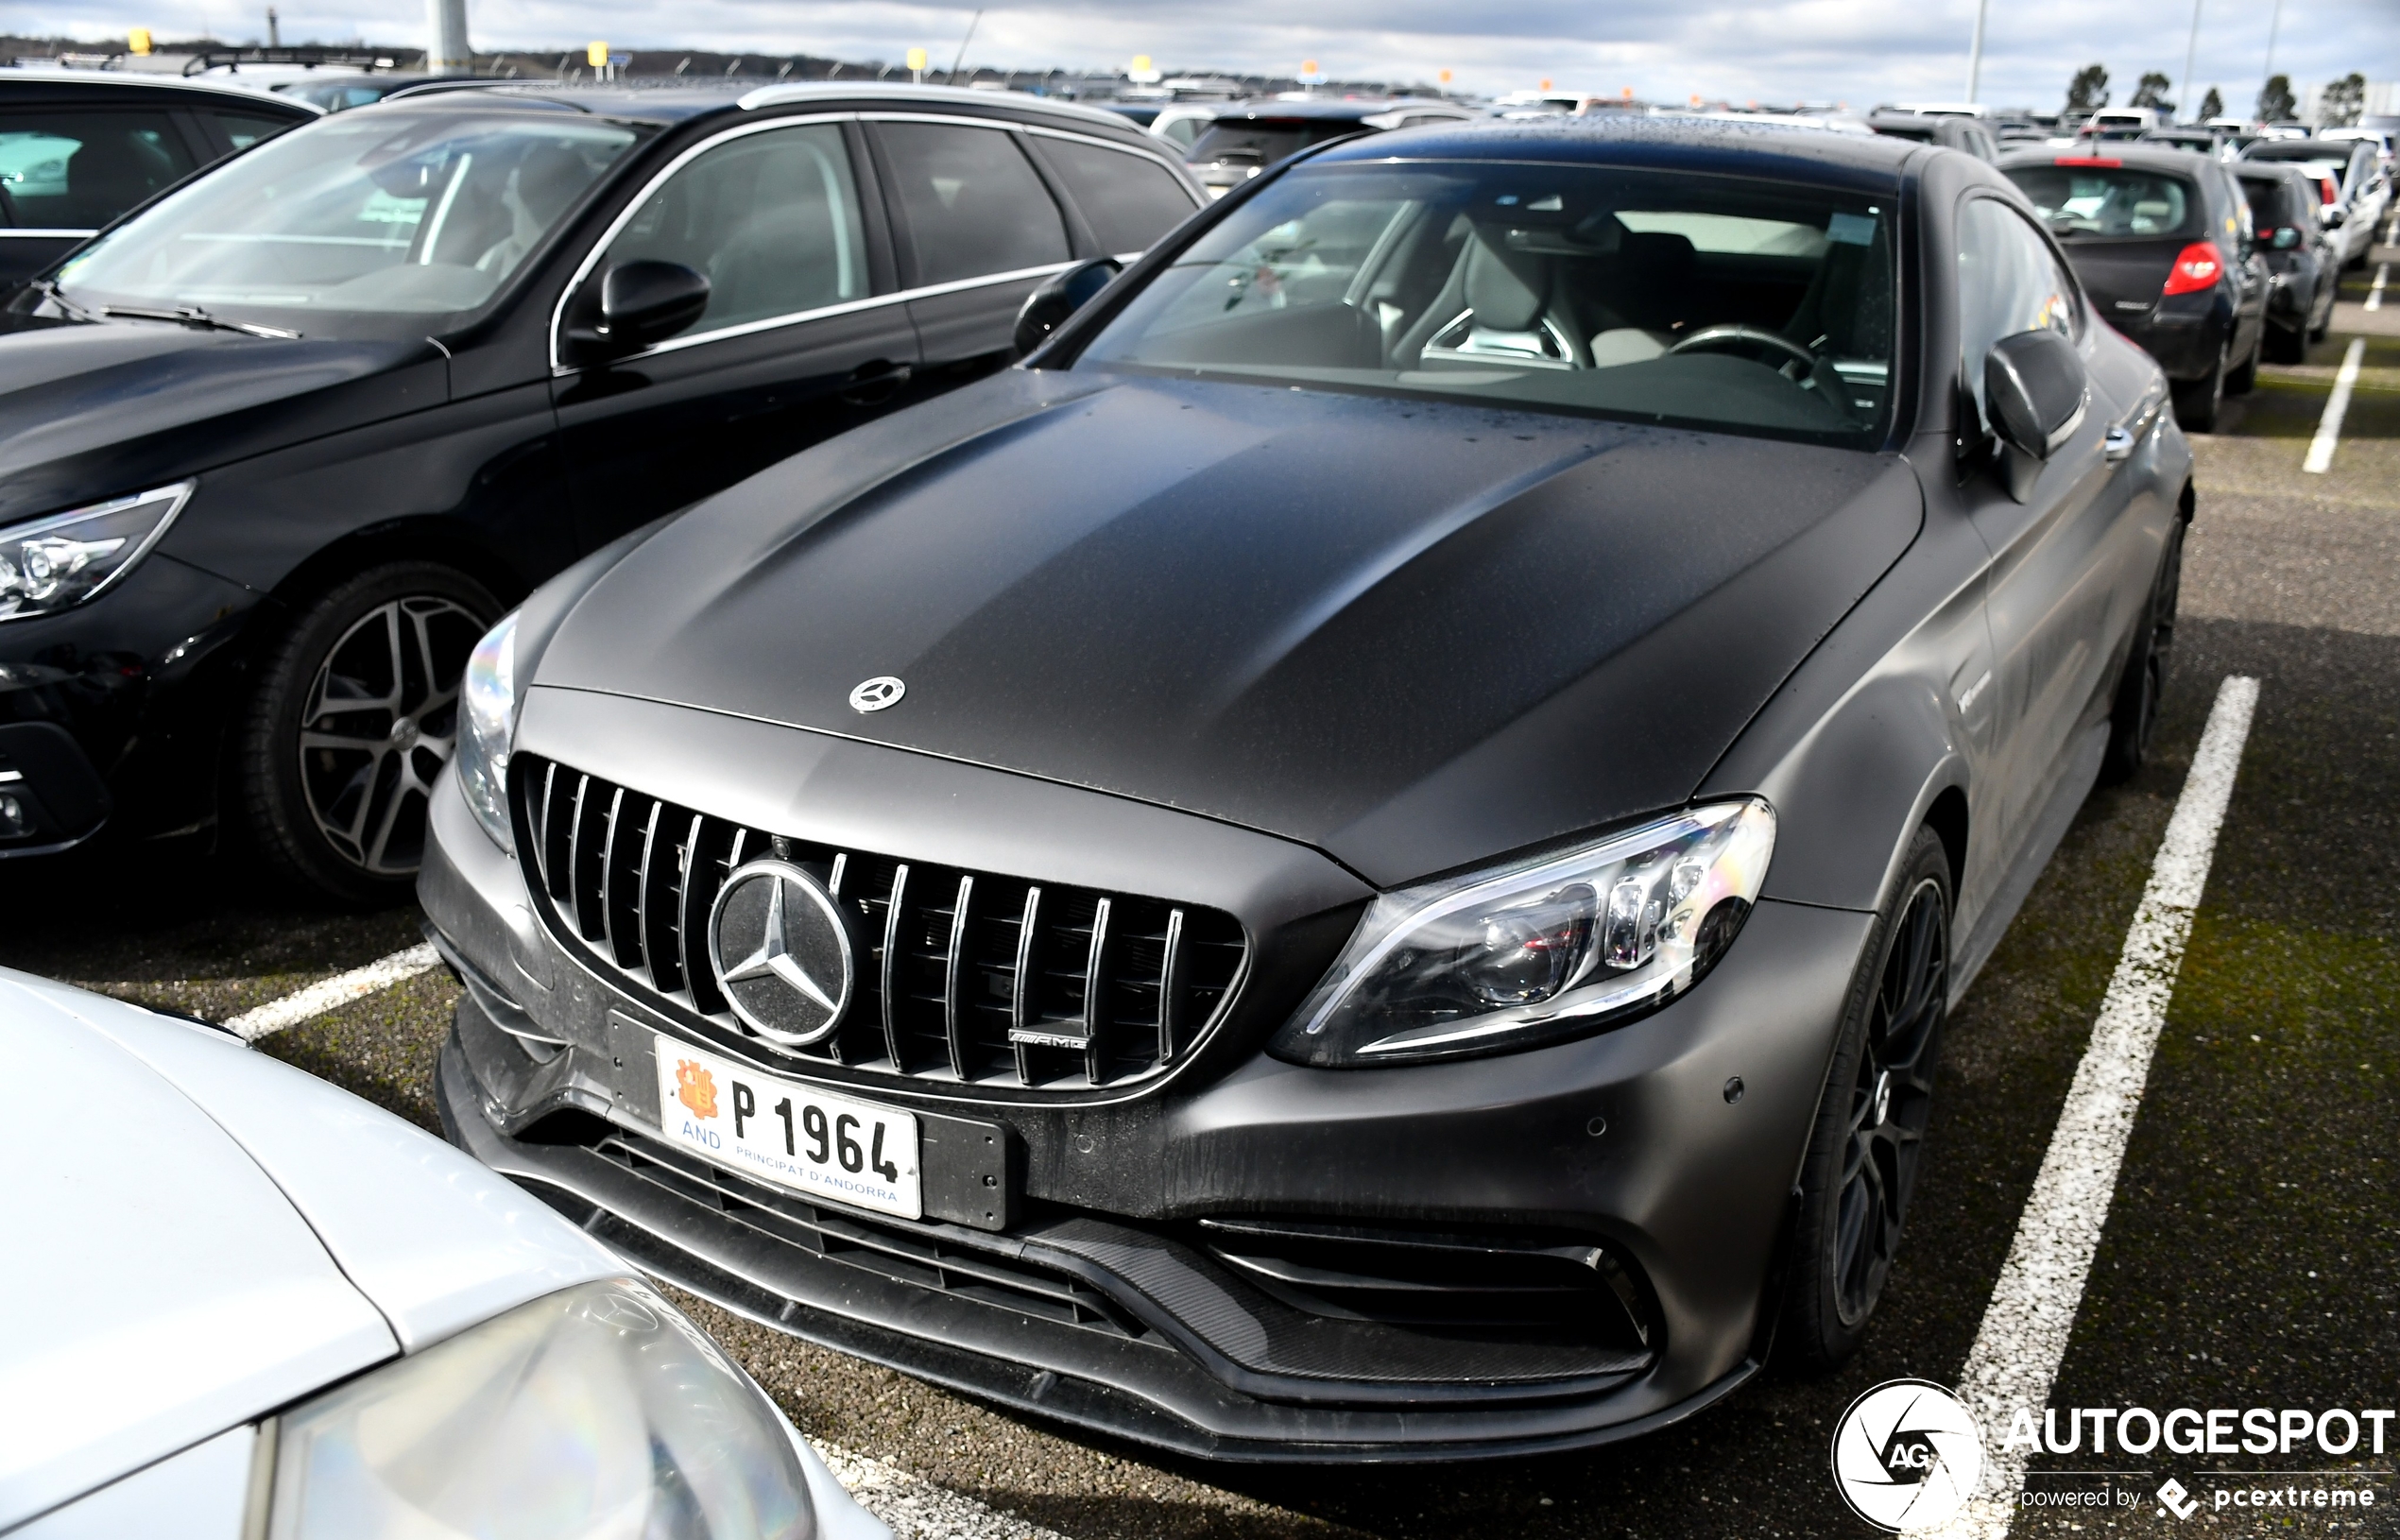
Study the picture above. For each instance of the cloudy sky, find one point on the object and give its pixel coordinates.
(1857, 51)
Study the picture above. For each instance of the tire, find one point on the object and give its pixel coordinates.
(2198, 402)
(354, 713)
(2133, 719)
(1865, 1153)
(2288, 344)
(2241, 381)
(2318, 330)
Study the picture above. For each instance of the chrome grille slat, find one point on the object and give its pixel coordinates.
(963, 977)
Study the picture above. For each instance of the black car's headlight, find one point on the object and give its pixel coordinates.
(593, 1414)
(1542, 949)
(61, 560)
(487, 727)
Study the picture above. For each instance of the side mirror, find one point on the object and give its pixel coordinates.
(640, 303)
(2036, 391)
(2335, 217)
(2288, 237)
(1047, 308)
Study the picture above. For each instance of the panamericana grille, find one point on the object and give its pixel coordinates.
(963, 976)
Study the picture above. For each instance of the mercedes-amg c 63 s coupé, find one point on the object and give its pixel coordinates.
(1365, 856)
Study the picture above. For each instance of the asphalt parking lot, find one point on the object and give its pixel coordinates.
(2251, 1257)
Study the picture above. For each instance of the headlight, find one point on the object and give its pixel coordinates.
(598, 1412)
(1544, 949)
(487, 726)
(52, 563)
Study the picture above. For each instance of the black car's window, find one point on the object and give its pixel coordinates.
(1265, 141)
(367, 213)
(2009, 282)
(973, 203)
(2273, 203)
(1129, 200)
(1654, 296)
(248, 129)
(771, 218)
(2090, 198)
(68, 170)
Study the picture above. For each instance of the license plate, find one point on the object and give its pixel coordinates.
(796, 1137)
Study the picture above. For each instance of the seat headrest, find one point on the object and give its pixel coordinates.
(1507, 290)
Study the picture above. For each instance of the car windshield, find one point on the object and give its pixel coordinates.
(1266, 140)
(370, 213)
(2270, 206)
(2109, 200)
(1697, 299)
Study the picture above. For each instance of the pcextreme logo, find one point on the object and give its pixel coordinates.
(1907, 1455)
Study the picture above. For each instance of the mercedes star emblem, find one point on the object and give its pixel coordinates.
(875, 693)
(782, 953)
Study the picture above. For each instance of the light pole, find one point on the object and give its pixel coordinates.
(450, 53)
(2191, 50)
(1975, 54)
(2275, 25)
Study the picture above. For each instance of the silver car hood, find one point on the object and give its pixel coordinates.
(198, 1235)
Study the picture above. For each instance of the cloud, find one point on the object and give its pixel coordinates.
(1857, 51)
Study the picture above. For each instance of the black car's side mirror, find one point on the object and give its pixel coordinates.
(640, 303)
(1047, 308)
(2037, 392)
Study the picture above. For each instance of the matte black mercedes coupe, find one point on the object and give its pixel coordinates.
(1367, 856)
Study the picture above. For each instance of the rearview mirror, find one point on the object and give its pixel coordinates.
(1047, 308)
(640, 303)
(2288, 237)
(2035, 391)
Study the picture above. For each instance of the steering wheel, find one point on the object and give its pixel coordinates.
(1732, 334)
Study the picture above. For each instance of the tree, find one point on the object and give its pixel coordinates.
(2339, 103)
(2211, 106)
(2153, 93)
(2089, 91)
(2275, 103)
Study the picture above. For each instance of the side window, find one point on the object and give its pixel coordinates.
(248, 129)
(80, 170)
(1129, 200)
(772, 220)
(2007, 282)
(973, 203)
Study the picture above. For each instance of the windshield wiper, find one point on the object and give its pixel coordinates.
(48, 288)
(193, 315)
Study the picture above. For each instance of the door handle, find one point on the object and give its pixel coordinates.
(2118, 445)
(873, 384)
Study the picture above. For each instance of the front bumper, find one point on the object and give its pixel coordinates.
(1102, 1303)
(129, 692)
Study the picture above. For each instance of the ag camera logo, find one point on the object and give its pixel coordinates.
(1907, 1455)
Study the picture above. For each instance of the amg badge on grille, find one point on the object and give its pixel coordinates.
(782, 953)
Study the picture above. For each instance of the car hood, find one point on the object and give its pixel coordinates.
(1410, 633)
(90, 411)
(200, 1234)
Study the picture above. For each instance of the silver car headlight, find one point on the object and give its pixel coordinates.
(60, 562)
(487, 727)
(1538, 950)
(596, 1413)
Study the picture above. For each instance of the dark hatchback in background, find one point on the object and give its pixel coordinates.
(2163, 241)
(79, 147)
(275, 452)
(2304, 263)
(1364, 860)
(2354, 196)
(1248, 137)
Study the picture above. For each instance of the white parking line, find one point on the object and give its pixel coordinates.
(916, 1508)
(2018, 1348)
(2374, 294)
(2320, 458)
(340, 989)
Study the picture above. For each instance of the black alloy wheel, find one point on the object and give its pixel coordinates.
(1869, 1142)
(2198, 402)
(2133, 719)
(355, 714)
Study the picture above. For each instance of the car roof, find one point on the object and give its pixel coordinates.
(1345, 110)
(2131, 154)
(34, 83)
(2302, 150)
(1751, 147)
(666, 105)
